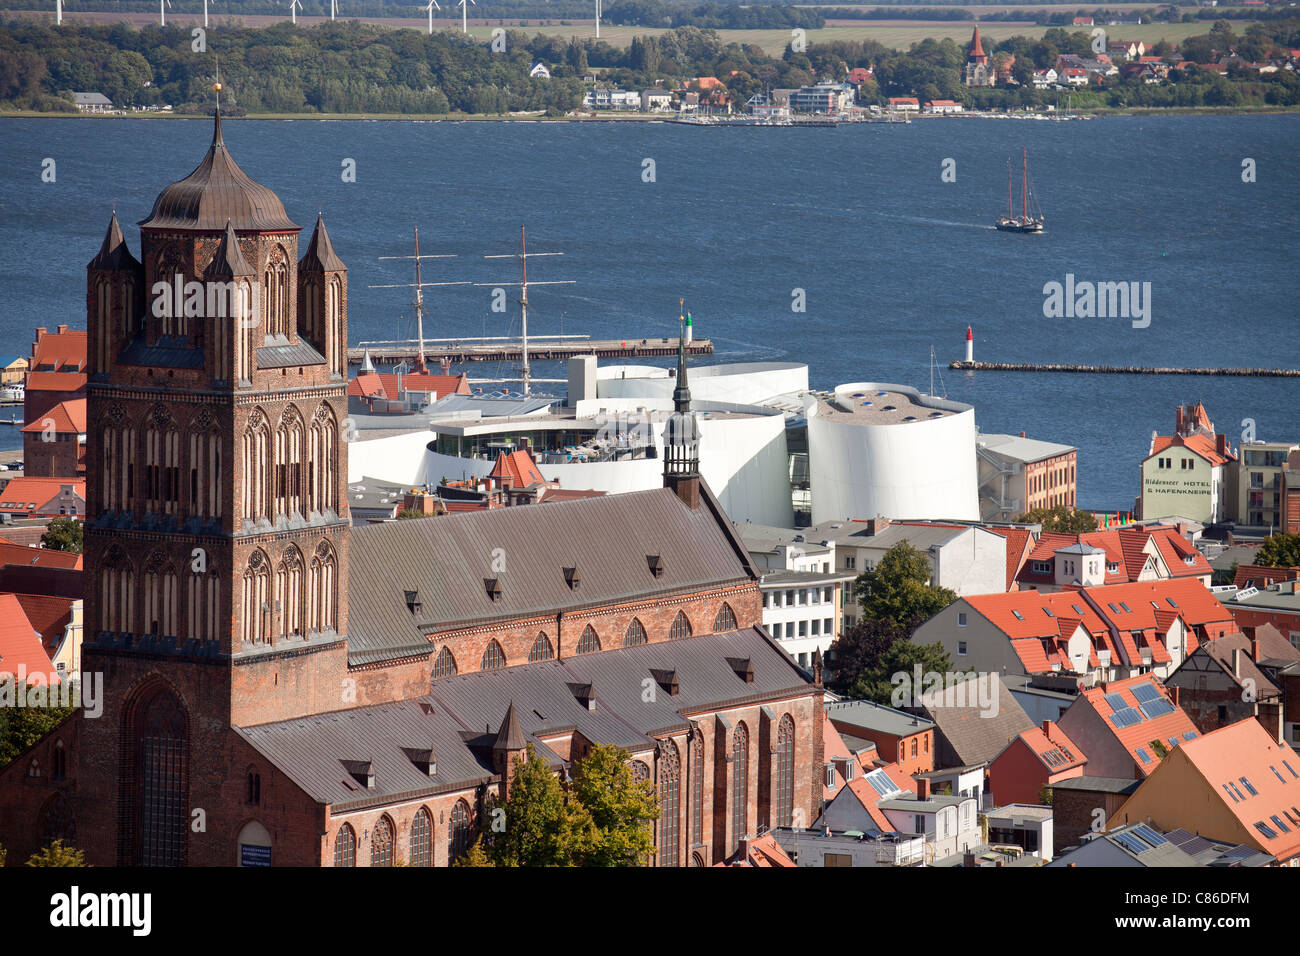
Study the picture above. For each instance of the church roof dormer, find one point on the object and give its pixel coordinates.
(320, 253)
(228, 261)
(114, 254)
(216, 192)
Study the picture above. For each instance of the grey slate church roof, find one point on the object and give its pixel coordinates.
(447, 560)
(460, 719)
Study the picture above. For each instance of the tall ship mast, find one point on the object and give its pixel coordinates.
(1025, 222)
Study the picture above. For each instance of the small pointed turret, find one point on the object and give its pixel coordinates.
(510, 737)
(228, 262)
(977, 54)
(113, 253)
(320, 253)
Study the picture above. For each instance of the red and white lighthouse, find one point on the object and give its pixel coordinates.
(970, 345)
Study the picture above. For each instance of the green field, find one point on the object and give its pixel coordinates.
(893, 35)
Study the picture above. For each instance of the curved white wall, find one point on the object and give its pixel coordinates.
(744, 460)
(744, 383)
(396, 458)
(903, 470)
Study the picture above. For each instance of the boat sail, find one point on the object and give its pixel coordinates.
(1024, 222)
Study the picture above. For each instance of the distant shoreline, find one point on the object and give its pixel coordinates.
(611, 118)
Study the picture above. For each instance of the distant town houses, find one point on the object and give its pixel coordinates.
(92, 102)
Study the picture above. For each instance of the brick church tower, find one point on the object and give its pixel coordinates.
(216, 540)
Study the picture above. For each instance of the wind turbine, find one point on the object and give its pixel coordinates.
(294, 7)
(332, 9)
(431, 5)
(205, 14)
(464, 15)
(162, 14)
(597, 19)
(58, 12)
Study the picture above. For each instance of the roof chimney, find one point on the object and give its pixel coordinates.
(1048, 727)
(1022, 434)
(63, 329)
(1180, 420)
(922, 788)
(1253, 636)
(1221, 445)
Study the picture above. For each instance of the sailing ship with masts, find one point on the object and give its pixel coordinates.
(1025, 222)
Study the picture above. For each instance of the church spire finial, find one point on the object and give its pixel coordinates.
(682, 393)
(216, 122)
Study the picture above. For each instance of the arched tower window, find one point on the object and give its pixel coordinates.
(255, 466)
(155, 745)
(287, 476)
(785, 772)
(117, 461)
(542, 649)
(321, 479)
(345, 846)
(335, 357)
(59, 770)
(421, 849)
(381, 842)
(161, 597)
(696, 772)
(589, 641)
(725, 621)
(322, 588)
(445, 664)
(739, 785)
(276, 279)
(255, 607)
(635, 633)
(205, 467)
(162, 463)
(117, 593)
(289, 592)
(103, 324)
(681, 626)
(493, 658)
(670, 782)
(460, 832)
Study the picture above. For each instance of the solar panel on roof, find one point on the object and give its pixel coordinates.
(1173, 742)
(1142, 752)
(1291, 768)
(1148, 834)
(1157, 708)
(1144, 692)
(1190, 735)
(1126, 717)
(1131, 842)
(1116, 701)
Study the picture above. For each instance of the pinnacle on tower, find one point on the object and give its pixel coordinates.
(113, 253)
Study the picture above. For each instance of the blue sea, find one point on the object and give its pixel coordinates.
(888, 259)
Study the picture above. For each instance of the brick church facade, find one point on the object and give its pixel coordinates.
(282, 688)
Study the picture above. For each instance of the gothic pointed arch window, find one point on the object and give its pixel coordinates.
(681, 626)
(421, 848)
(739, 786)
(155, 758)
(255, 599)
(287, 491)
(276, 284)
(289, 593)
(459, 842)
(56, 822)
(542, 649)
(493, 657)
(640, 771)
(335, 357)
(696, 772)
(117, 460)
(59, 770)
(667, 827)
(697, 859)
(161, 597)
(103, 325)
(255, 464)
(170, 264)
(345, 846)
(725, 621)
(321, 478)
(205, 466)
(445, 664)
(322, 588)
(162, 463)
(381, 842)
(588, 642)
(785, 772)
(117, 592)
(635, 633)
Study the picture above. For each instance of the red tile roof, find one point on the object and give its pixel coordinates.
(759, 851)
(1200, 444)
(56, 381)
(20, 645)
(1019, 546)
(11, 553)
(1054, 748)
(1255, 575)
(519, 467)
(61, 351)
(1245, 749)
(48, 615)
(1126, 549)
(69, 418)
(1138, 735)
(390, 385)
(25, 491)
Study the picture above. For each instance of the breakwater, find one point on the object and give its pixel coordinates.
(1125, 369)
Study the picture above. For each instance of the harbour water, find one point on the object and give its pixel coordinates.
(854, 223)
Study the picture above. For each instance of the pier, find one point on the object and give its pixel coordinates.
(1124, 369)
(510, 350)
